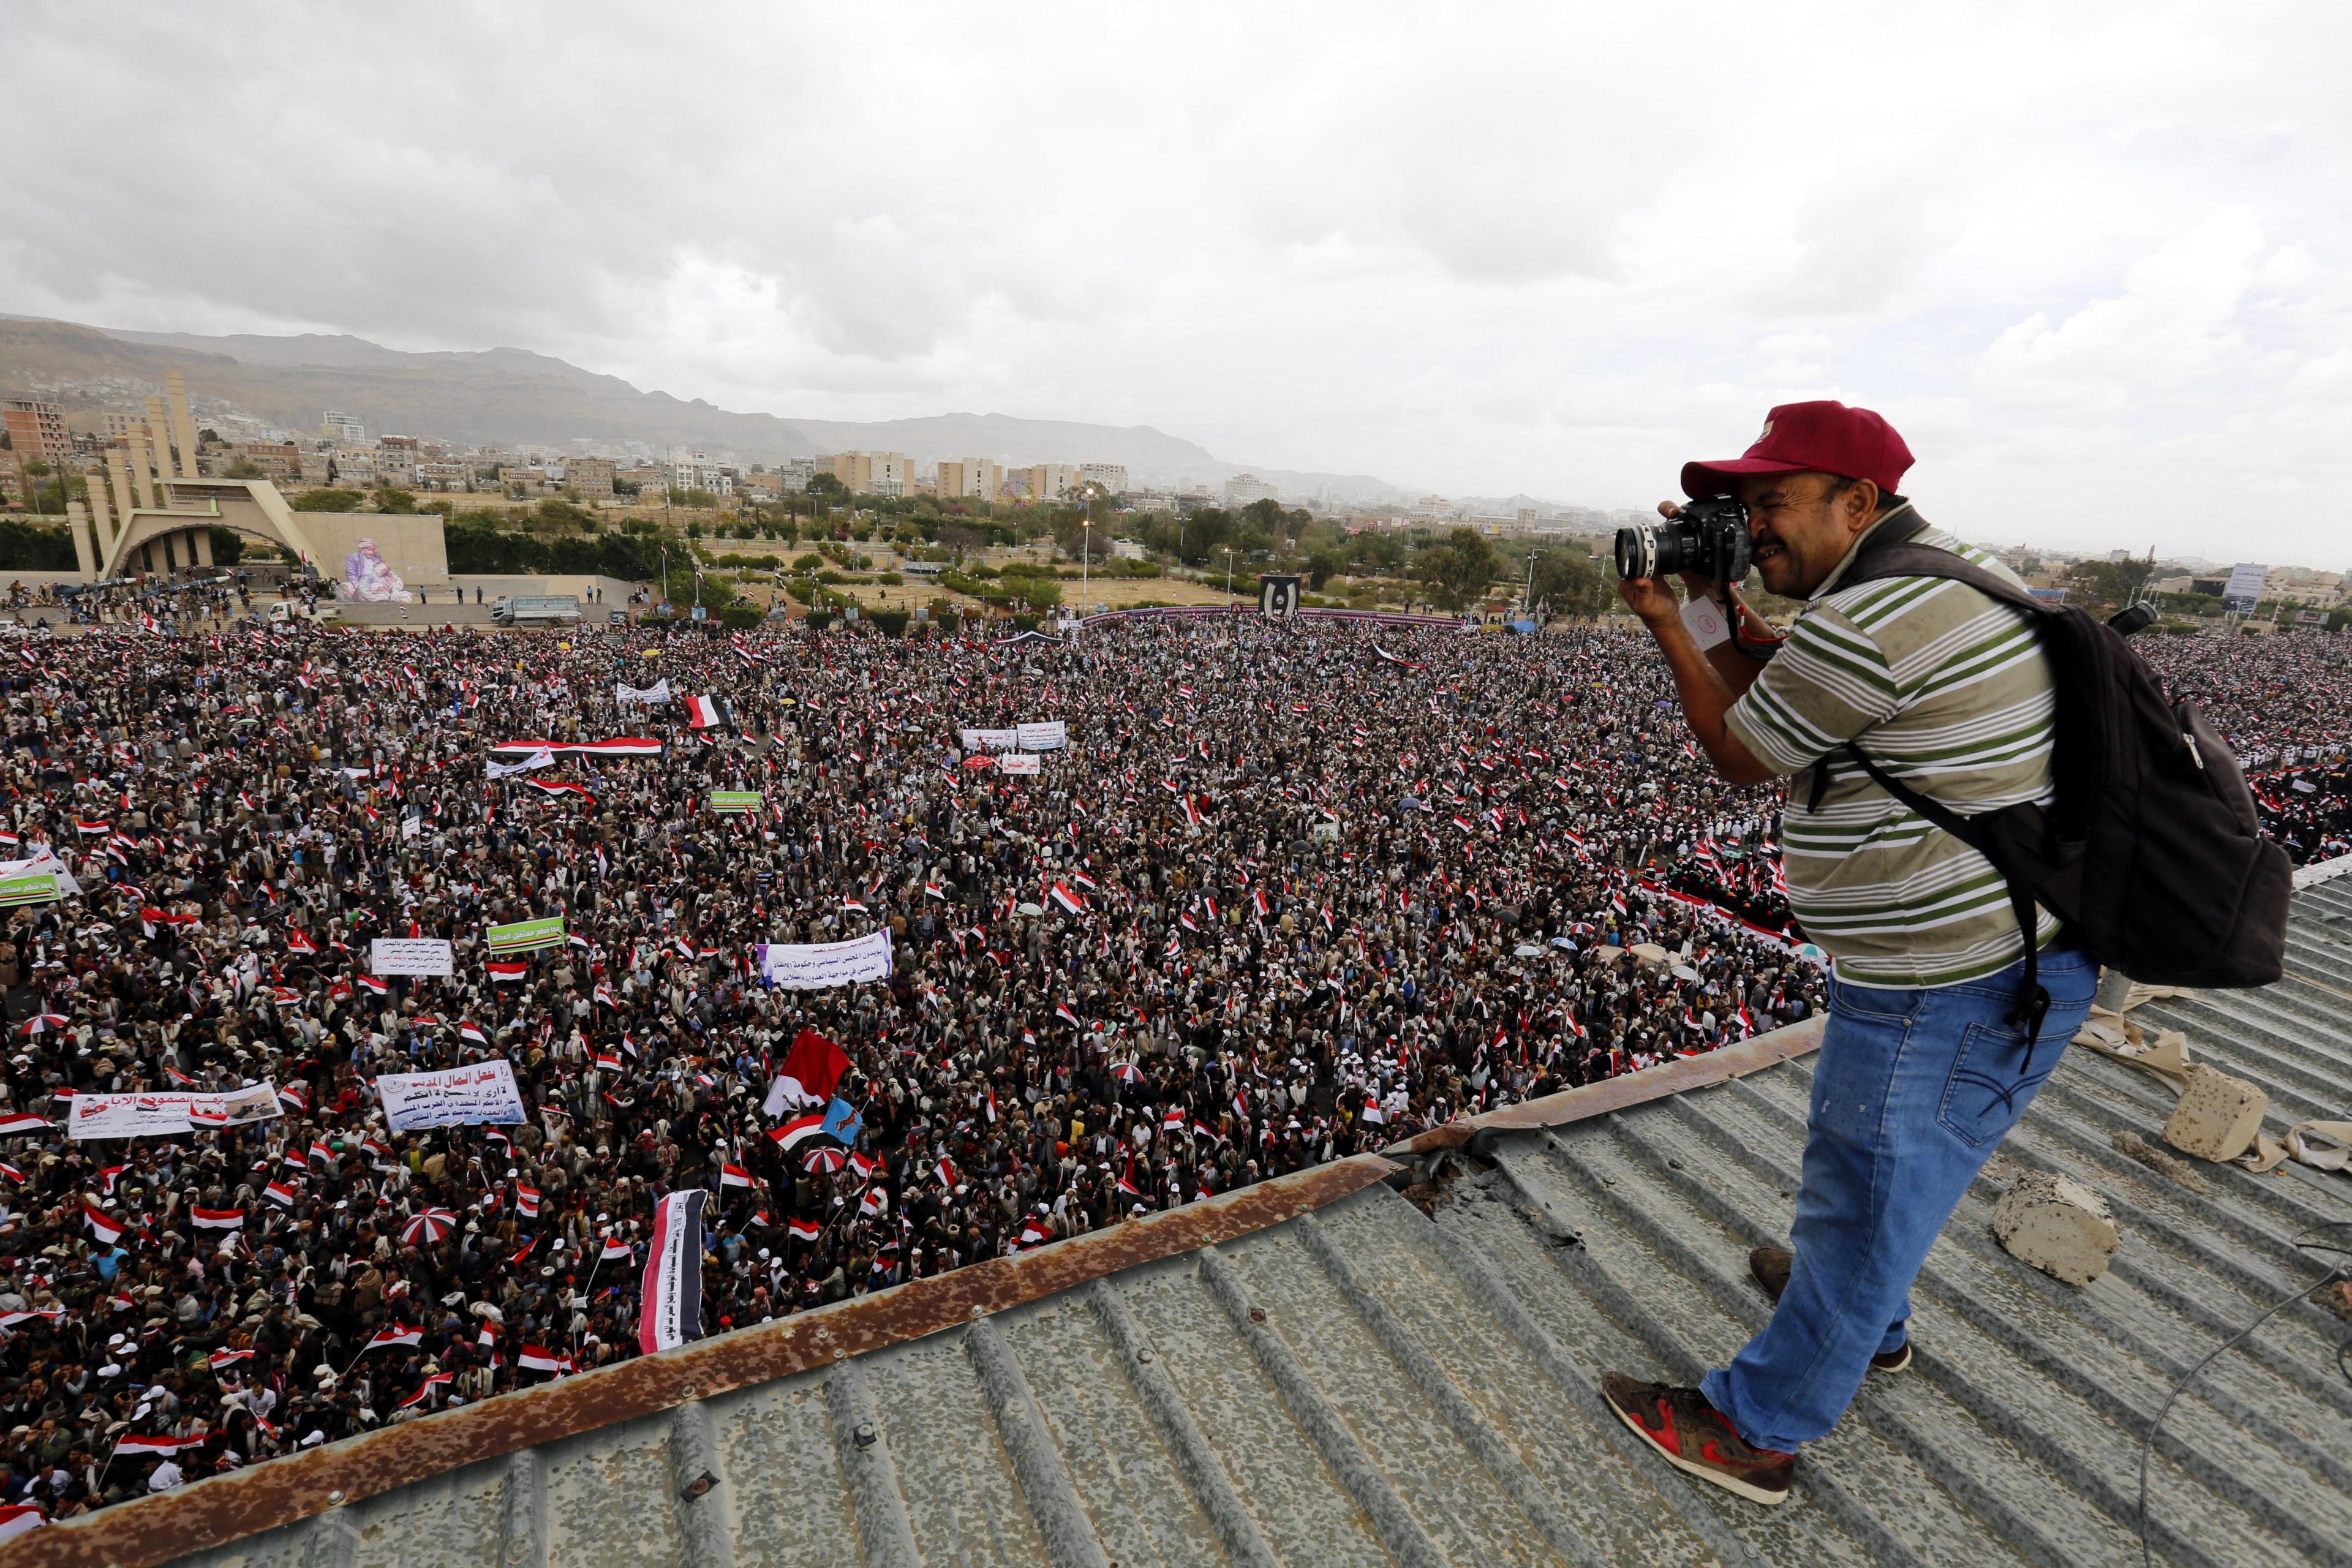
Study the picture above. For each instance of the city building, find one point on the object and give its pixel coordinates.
(280, 462)
(971, 477)
(36, 430)
(1110, 477)
(874, 473)
(590, 477)
(442, 475)
(1046, 481)
(318, 468)
(345, 427)
(1244, 489)
(795, 473)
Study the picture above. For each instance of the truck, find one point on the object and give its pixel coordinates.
(286, 612)
(534, 609)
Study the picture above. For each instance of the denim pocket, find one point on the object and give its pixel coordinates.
(1985, 1092)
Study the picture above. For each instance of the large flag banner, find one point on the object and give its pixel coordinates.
(526, 936)
(811, 1067)
(725, 800)
(1051, 735)
(669, 1312)
(814, 966)
(619, 746)
(657, 692)
(410, 955)
(541, 758)
(477, 1094)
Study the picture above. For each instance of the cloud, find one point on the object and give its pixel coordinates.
(2099, 259)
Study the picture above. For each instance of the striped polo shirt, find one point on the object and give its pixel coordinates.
(1945, 687)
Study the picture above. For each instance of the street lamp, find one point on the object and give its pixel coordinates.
(1085, 533)
(1229, 576)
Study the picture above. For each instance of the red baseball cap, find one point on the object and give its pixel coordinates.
(1824, 438)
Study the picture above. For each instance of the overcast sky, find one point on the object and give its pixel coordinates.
(2093, 263)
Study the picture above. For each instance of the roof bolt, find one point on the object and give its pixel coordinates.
(1257, 1314)
(840, 1354)
(977, 1311)
(1012, 1412)
(1144, 1355)
(689, 1392)
(334, 1498)
(865, 1434)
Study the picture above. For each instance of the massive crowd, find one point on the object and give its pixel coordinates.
(1288, 892)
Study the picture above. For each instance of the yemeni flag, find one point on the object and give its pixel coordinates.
(812, 1069)
(1063, 1011)
(803, 1229)
(472, 1033)
(705, 714)
(369, 982)
(1068, 901)
(17, 1518)
(139, 1443)
(279, 1193)
(216, 1219)
(526, 1201)
(799, 1131)
(734, 1176)
(505, 974)
(106, 1230)
(670, 1307)
(396, 1335)
(220, 1360)
(539, 1357)
(614, 1247)
(439, 1380)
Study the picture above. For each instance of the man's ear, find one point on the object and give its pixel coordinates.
(1858, 505)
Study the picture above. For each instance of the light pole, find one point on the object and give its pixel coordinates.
(1529, 603)
(1229, 576)
(1085, 535)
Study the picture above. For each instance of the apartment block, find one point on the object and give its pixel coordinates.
(346, 428)
(280, 462)
(1110, 477)
(976, 478)
(592, 476)
(874, 473)
(36, 430)
(1047, 481)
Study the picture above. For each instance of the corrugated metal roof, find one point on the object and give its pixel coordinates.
(1349, 1373)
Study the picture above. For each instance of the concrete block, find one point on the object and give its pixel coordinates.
(2218, 1116)
(2057, 1225)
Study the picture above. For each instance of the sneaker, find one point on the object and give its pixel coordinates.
(1692, 1437)
(1770, 1266)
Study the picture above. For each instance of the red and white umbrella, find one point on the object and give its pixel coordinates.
(430, 1226)
(826, 1157)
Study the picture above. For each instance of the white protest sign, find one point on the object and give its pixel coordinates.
(474, 1095)
(814, 966)
(1020, 763)
(409, 955)
(162, 1114)
(657, 692)
(1051, 735)
(989, 740)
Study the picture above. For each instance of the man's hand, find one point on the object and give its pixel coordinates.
(1649, 598)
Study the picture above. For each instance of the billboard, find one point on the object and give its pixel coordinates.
(2244, 589)
(1277, 597)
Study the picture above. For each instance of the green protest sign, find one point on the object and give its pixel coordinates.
(737, 800)
(38, 888)
(526, 936)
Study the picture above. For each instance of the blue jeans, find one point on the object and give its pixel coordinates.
(1912, 1092)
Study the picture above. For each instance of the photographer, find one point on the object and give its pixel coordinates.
(1924, 1065)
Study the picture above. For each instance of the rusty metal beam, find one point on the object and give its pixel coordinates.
(1676, 1077)
(280, 1492)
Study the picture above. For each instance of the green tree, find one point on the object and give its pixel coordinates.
(827, 486)
(327, 498)
(1457, 573)
(1571, 581)
(2109, 582)
(387, 498)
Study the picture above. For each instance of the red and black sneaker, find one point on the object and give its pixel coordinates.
(1770, 1266)
(1691, 1435)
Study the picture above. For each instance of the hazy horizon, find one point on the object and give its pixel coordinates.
(2091, 265)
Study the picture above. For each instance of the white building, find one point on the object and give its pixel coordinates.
(1111, 476)
(1244, 489)
(347, 427)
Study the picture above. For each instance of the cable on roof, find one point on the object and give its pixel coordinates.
(2343, 1356)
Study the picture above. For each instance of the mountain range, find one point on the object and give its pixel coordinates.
(513, 397)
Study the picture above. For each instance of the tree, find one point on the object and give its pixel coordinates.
(2110, 583)
(827, 484)
(387, 498)
(1456, 572)
(1571, 581)
(326, 499)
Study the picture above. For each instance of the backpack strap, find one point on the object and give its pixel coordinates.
(1895, 554)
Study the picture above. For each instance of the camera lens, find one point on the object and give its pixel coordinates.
(1637, 551)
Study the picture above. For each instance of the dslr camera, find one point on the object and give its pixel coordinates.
(1709, 538)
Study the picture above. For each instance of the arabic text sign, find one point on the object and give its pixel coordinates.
(814, 966)
(527, 936)
(409, 955)
(1020, 763)
(737, 800)
(989, 740)
(158, 1115)
(1050, 736)
(477, 1094)
(38, 888)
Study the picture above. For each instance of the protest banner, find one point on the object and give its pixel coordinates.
(477, 1094)
(421, 955)
(1020, 763)
(657, 692)
(153, 1115)
(726, 800)
(814, 966)
(989, 740)
(669, 1311)
(1050, 735)
(34, 888)
(526, 936)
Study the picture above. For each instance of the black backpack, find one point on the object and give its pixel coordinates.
(2151, 854)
